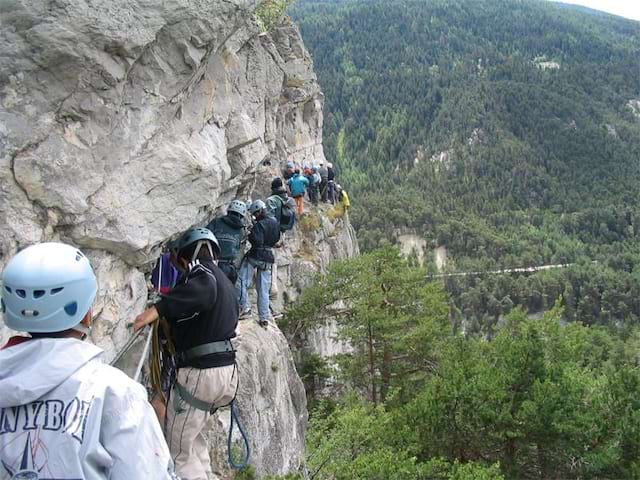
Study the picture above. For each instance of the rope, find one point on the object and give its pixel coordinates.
(160, 353)
(126, 347)
(234, 419)
(143, 358)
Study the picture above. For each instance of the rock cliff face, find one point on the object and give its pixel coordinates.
(123, 123)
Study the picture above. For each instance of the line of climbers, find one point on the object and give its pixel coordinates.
(64, 413)
(318, 182)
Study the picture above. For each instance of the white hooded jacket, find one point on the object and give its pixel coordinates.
(65, 415)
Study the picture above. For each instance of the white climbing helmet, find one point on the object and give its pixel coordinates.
(257, 206)
(48, 287)
(238, 207)
(329, 165)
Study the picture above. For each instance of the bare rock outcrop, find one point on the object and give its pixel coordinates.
(123, 123)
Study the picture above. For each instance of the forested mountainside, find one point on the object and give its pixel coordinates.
(507, 131)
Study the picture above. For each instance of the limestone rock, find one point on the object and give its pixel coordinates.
(271, 402)
(123, 123)
(634, 106)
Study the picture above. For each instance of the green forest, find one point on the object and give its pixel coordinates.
(505, 131)
(415, 399)
(500, 129)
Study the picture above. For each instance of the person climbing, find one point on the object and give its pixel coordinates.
(343, 198)
(324, 178)
(202, 312)
(231, 234)
(263, 237)
(65, 413)
(298, 186)
(289, 171)
(331, 184)
(281, 206)
(314, 184)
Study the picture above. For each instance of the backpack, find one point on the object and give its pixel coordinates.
(285, 213)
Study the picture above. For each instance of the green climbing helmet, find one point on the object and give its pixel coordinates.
(203, 236)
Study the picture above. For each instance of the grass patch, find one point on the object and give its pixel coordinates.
(309, 222)
(270, 12)
(336, 212)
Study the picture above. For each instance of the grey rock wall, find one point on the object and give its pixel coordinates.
(123, 123)
(271, 402)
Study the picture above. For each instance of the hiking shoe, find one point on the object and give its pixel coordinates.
(245, 314)
(263, 323)
(276, 315)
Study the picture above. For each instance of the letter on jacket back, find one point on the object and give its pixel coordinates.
(66, 414)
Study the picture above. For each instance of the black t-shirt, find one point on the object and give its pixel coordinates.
(202, 308)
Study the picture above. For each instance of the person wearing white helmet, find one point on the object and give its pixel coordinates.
(323, 171)
(64, 413)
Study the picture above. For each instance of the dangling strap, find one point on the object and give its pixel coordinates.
(196, 403)
(83, 329)
(199, 246)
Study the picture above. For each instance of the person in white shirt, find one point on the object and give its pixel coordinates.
(64, 414)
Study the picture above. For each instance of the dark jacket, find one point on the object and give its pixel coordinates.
(275, 201)
(229, 230)
(330, 174)
(265, 234)
(202, 308)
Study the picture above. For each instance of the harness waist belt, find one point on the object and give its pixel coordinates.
(223, 346)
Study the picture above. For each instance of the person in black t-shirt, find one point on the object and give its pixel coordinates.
(202, 312)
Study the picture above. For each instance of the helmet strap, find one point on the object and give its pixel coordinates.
(84, 330)
(198, 247)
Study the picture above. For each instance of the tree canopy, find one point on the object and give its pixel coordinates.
(502, 130)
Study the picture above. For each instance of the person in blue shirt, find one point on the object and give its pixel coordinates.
(298, 187)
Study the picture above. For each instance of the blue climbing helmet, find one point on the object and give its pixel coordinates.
(48, 287)
(237, 206)
(201, 236)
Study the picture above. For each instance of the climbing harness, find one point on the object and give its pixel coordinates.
(164, 347)
(234, 420)
(223, 346)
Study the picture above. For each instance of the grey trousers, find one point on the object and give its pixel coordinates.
(185, 424)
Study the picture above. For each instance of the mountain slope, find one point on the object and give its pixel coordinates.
(503, 130)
